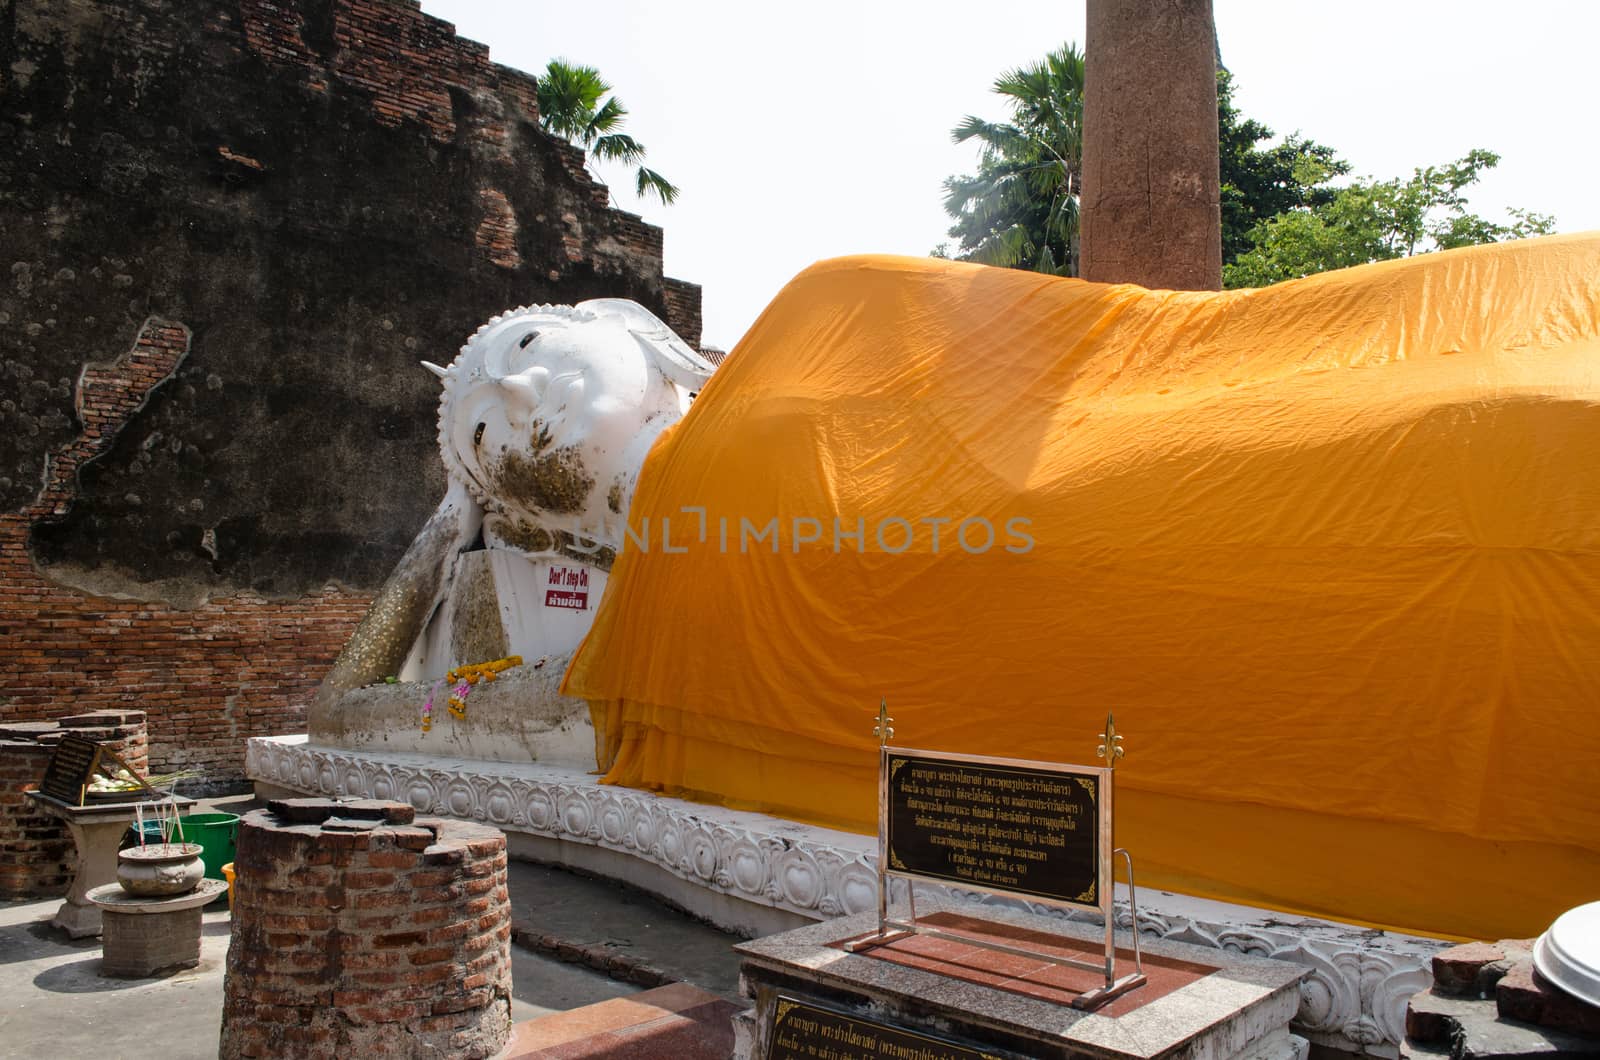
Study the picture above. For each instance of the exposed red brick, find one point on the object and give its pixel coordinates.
(683, 310)
(406, 62)
(497, 233)
(305, 957)
(1523, 994)
(1456, 970)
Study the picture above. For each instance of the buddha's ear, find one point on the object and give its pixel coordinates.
(671, 354)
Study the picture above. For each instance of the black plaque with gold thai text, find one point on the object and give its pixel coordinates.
(69, 769)
(997, 827)
(803, 1031)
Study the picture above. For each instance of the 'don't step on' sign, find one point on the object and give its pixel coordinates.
(568, 588)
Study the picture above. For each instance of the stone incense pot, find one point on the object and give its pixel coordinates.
(160, 870)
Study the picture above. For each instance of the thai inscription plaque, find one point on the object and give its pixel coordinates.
(802, 1031)
(998, 827)
(71, 765)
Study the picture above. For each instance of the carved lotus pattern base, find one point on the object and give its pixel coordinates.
(814, 879)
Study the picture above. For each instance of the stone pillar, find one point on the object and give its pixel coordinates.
(360, 930)
(1149, 211)
(142, 937)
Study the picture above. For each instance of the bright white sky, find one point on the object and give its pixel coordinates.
(806, 131)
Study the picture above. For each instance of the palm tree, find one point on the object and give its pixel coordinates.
(571, 106)
(1021, 208)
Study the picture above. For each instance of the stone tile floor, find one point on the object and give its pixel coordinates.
(55, 1003)
(678, 1021)
(601, 922)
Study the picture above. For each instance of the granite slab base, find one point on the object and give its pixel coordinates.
(1201, 1004)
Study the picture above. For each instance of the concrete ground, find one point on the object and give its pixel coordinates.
(56, 1004)
(605, 923)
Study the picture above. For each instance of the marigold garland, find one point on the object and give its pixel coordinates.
(427, 708)
(464, 678)
(458, 700)
(473, 672)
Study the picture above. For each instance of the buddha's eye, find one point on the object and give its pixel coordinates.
(477, 435)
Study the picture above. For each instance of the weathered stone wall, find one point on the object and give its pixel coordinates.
(238, 665)
(231, 228)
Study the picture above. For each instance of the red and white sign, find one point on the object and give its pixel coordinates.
(568, 587)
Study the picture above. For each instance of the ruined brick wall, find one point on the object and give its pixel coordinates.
(37, 856)
(35, 850)
(237, 666)
(231, 229)
(683, 309)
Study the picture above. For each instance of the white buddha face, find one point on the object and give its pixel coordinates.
(543, 410)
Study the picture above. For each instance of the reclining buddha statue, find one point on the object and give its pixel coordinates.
(545, 418)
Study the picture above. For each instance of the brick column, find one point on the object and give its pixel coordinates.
(361, 931)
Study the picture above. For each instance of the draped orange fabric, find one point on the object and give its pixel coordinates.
(1330, 550)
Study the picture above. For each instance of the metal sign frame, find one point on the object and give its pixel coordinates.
(891, 928)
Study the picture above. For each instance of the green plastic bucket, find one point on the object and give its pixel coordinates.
(216, 833)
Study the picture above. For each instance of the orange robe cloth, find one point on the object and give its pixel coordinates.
(1330, 550)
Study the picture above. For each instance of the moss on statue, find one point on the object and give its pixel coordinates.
(555, 482)
(476, 632)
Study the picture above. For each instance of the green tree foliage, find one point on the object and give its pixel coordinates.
(1261, 182)
(1021, 208)
(1371, 220)
(573, 105)
(1282, 215)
